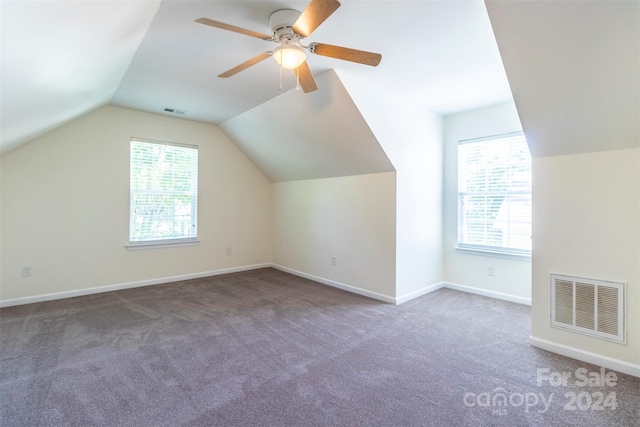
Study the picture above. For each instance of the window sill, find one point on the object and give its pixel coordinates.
(159, 244)
(495, 254)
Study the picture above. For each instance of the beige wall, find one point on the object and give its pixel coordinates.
(65, 206)
(587, 224)
(412, 138)
(350, 218)
(416, 152)
(512, 277)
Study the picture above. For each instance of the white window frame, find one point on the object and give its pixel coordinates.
(159, 241)
(478, 249)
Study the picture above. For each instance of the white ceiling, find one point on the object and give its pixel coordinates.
(298, 136)
(61, 59)
(574, 69)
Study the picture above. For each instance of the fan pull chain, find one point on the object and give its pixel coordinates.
(297, 79)
(281, 78)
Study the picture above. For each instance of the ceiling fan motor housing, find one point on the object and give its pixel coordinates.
(291, 52)
(282, 19)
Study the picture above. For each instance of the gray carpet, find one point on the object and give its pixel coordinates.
(265, 348)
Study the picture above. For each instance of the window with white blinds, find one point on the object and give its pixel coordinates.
(164, 192)
(494, 194)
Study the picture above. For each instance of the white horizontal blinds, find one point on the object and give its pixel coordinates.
(494, 190)
(164, 191)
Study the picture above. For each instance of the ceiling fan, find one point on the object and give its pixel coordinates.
(288, 28)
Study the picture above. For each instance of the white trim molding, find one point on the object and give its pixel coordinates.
(332, 283)
(462, 288)
(130, 285)
(159, 244)
(586, 356)
(415, 294)
(349, 288)
(494, 253)
(488, 293)
(406, 297)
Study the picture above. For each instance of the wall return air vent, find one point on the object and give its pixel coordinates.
(587, 306)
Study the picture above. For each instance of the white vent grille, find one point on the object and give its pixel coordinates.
(591, 307)
(174, 111)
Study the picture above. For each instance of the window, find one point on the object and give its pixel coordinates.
(494, 194)
(164, 193)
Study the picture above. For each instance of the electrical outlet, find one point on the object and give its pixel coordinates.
(333, 260)
(27, 271)
(491, 270)
(229, 250)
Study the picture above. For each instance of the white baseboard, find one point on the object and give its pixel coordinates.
(462, 288)
(349, 288)
(586, 356)
(415, 294)
(409, 296)
(487, 293)
(574, 353)
(130, 285)
(344, 287)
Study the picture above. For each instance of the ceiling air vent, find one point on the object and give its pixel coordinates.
(588, 306)
(173, 111)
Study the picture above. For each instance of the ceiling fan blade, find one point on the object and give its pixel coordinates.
(315, 14)
(245, 64)
(207, 21)
(346, 54)
(305, 76)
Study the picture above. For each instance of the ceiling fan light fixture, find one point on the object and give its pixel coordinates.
(289, 56)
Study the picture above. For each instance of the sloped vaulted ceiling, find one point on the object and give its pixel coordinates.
(574, 70)
(62, 59)
(298, 136)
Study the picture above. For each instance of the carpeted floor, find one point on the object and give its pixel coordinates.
(265, 348)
